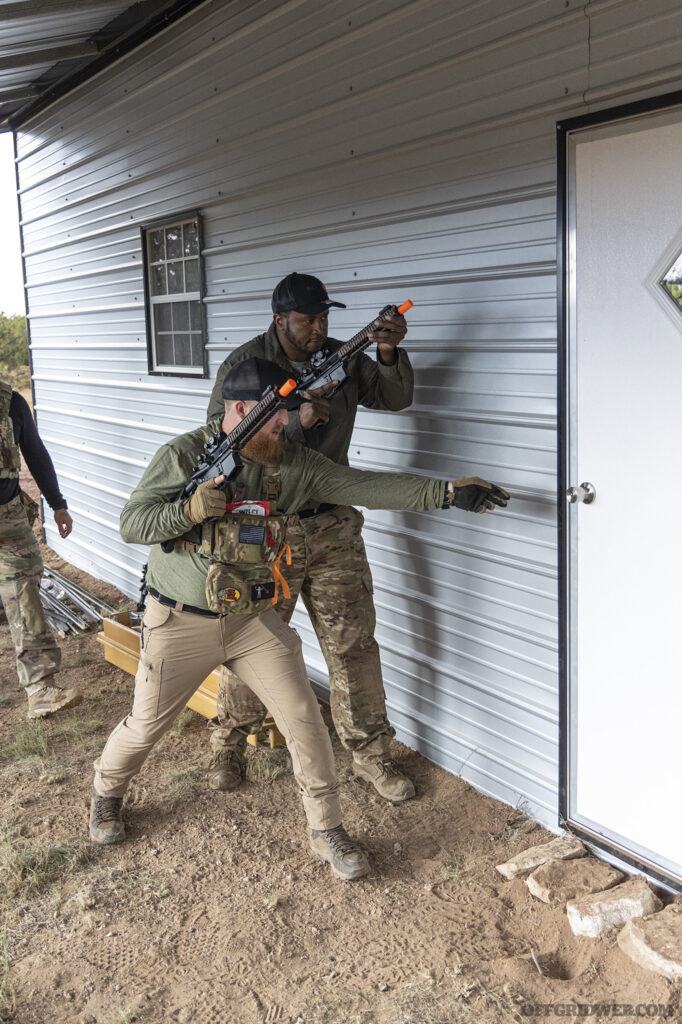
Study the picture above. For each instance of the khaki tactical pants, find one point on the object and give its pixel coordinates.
(21, 566)
(178, 650)
(329, 570)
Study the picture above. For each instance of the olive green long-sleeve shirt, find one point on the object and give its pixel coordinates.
(153, 514)
(369, 383)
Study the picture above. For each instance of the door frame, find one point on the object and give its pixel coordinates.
(565, 129)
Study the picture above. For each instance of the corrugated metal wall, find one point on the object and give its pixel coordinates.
(397, 149)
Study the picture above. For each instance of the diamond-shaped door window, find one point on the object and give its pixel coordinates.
(671, 282)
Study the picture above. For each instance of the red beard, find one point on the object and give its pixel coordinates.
(265, 450)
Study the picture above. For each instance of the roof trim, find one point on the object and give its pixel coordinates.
(109, 55)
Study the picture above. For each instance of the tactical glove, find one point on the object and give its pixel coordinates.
(473, 494)
(207, 502)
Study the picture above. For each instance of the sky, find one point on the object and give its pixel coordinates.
(11, 282)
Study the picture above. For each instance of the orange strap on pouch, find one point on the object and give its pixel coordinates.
(277, 574)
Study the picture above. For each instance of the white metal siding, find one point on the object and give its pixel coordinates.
(399, 150)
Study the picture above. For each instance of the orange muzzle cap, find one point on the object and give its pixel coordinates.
(405, 306)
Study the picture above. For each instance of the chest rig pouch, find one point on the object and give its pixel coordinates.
(245, 552)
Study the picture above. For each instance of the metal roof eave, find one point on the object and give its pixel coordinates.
(126, 32)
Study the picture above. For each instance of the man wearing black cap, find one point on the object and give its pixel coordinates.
(190, 626)
(328, 553)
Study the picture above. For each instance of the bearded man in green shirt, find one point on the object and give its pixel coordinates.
(202, 597)
(331, 574)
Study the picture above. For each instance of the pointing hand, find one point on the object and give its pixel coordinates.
(475, 495)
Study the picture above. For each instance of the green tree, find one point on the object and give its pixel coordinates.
(13, 341)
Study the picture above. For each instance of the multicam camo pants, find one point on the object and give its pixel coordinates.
(21, 567)
(329, 570)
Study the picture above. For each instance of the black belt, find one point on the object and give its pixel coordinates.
(306, 513)
(162, 599)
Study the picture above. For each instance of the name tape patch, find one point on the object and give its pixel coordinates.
(248, 508)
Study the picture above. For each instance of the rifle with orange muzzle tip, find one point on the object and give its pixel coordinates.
(323, 368)
(220, 455)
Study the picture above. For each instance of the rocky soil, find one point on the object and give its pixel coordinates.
(214, 911)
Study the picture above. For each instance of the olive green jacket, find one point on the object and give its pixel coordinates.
(369, 383)
(153, 513)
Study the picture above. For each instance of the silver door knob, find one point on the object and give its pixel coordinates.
(585, 493)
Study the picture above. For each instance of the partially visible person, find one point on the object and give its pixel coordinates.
(21, 564)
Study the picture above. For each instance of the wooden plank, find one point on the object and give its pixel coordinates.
(118, 655)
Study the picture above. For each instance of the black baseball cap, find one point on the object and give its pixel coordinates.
(248, 380)
(302, 293)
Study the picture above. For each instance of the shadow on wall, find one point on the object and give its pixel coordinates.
(422, 603)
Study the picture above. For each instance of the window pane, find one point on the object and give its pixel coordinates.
(191, 239)
(157, 248)
(180, 316)
(173, 243)
(176, 282)
(174, 272)
(164, 350)
(197, 350)
(192, 275)
(672, 281)
(195, 316)
(182, 350)
(158, 279)
(162, 317)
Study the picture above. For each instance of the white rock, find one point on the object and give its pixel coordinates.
(655, 942)
(561, 848)
(558, 880)
(592, 915)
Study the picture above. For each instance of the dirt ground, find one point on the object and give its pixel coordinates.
(215, 912)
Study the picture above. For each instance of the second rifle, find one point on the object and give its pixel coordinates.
(324, 367)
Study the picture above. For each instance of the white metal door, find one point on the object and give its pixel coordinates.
(625, 438)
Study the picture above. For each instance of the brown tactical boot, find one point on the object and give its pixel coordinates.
(227, 766)
(335, 847)
(226, 769)
(385, 776)
(48, 699)
(106, 825)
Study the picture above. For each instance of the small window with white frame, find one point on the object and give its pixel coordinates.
(174, 293)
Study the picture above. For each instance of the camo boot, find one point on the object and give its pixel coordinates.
(45, 700)
(106, 825)
(227, 766)
(335, 847)
(384, 774)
